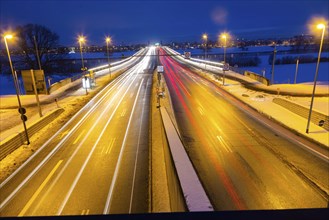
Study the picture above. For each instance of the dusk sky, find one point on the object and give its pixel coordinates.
(142, 21)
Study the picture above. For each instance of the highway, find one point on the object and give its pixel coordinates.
(98, 162)
(241, 161)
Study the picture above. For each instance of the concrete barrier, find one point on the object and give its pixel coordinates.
(196, 198)
(16, 140)
(302, 111)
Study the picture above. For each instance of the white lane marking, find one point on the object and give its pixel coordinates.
(136, 158)
(123, 112)
(79, 146)
(110, 146)
(224, 144)
(68, 195)
(77, 139)
(219, 93)
(43, 184)
(201, 111)
(85, 212)
(64, 133)
(115, 176)
(59, 145)
(60, 130)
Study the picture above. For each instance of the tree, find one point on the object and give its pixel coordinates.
(46, 40)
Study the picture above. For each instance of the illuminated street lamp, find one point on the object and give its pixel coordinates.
(108, 41)
(21, 110)
(81, 40)
(224, 37)
(319, 26)
(205, 38)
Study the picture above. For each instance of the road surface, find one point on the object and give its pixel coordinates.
(98, 162)
(242, 163)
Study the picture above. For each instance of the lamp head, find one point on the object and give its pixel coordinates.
(320, 26)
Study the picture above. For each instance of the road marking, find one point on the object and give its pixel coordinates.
(116, 171)
(116, 82)
(200, 110)
(109, 148)
(77, 139)
(123, 112)
(64, 133)
(136, 158)
(224, 144)
(60, 210)
(85, 212)
(35, 195)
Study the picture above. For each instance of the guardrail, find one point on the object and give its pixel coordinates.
(317, 118)
(16, 140)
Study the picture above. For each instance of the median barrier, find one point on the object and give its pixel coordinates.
(16, 140)
(195, 197)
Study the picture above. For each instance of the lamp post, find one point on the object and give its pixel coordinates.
(108, 41)
(319, 26)
(81, 41)
(21, 110)
(273, 63)
(297, 62)
(224, 37)
(205, 37)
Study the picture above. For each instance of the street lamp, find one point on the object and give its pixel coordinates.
(273, 63)
(205, 37)
(21, 110)
(224, 36)
(319, 26)
(108, 41)
(81, 40)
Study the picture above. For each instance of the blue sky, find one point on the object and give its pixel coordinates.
(155, 21)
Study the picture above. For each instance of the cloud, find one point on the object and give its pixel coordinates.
(219, 15)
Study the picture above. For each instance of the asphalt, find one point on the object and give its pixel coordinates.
(241, 161)
(97, 163)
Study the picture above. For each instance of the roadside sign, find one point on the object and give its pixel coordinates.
(187, 55)
(226, 67)
(321, 123)
(160, 69)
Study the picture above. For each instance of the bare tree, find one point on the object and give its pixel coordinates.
(46, 40)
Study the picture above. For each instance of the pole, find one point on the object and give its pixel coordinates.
(274, 52)
(37, 52)
(18, 99)
(297, 62)
(83, 66)
(205, 51)
(108, 57)
(36, 92)
(315, 78)
(224, 61)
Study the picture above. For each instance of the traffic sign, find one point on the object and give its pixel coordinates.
(321, 123)
(160, 69)
(23, 117)
(22, 110)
